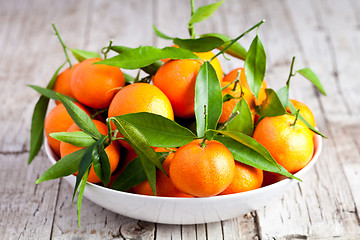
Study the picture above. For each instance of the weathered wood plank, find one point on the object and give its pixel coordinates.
(322, 190)
(25, 60)
(96, 221)
(26, 209)
(103, 17)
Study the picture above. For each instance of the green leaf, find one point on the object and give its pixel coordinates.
(66, 166)
(82, 55)
(133, 174)
(208, 99)
(48, 93)
(51, 94)
(255, 65)
(160, 34)
(81, 194)
(136, 139)
(227, 97)
(272, 106)
(247, 155)
(150, 69)
(85, 164)
(144, 56)
(158, 130)
(251, 143)
(82, 120)
(38, 120)
(202, 44)
(243, 122)
(310, 75)
(283, 95)
(120, 49)
(145, 152)
(204, 12)
(101, 164)
(235, 50)
(78, 138)
(293, 111)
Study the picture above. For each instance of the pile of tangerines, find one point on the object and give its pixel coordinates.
(201, 168)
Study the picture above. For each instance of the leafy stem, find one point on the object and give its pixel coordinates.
(296, 117)
(236, 39)
(93, 116)
(237, 81)
(291, 73)
(62, 44)
(232, 116)
(203, 144)
(190, 25)
(108, 124)
(107, 49)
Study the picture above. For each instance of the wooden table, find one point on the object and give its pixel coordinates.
(323, 34)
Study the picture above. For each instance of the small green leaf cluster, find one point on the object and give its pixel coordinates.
(143, 131)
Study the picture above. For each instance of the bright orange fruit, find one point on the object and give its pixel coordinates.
(95, 85)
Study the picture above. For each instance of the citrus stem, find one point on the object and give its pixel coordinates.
(296, 117)
(62, 44)
(206, 117)
(203, 144)
(108, 124)
(236, 39)
(98, 112)
(291, 74)
(228, 84)
(108, 48)
(237, 80)
(191, 26)
(232, 116)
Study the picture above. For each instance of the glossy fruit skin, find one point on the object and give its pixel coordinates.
(140, 97)
(113, 150)
(304, 111)
(58, 120)
(291, 146)
(246, 178)
(231, 76)
(63, 82)
(164, 185)
(95, 85)
(176, 78)
(202, 171)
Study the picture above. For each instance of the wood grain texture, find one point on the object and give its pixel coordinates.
(323, 35)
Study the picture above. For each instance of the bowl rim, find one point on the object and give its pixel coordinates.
(317, 150)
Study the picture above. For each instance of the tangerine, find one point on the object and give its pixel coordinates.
(176, 78)
(290, 143)
(202, 169)
(58, 120)
(140, 97)
(304, 111)
(113, 150)
(164, 185)
(246, 178)
(63, 82)
(95, 85)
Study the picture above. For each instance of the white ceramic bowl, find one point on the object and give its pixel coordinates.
(188, 210)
